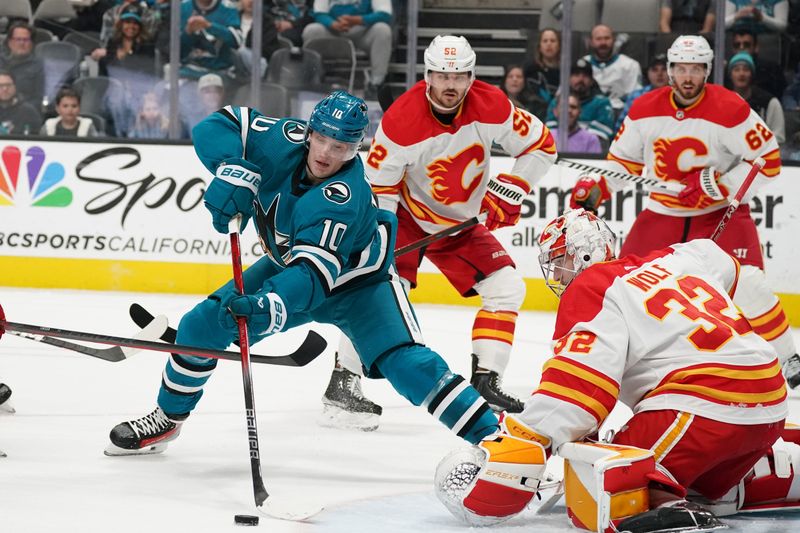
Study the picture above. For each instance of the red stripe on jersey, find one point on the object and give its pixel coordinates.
(633, 167)
(545, 143)
(773, 164)
(725, 384)
(585, 387)
(717, 105)
(735, 283)
(484, 103)
(583, 298)
(773, 328)
(392, 189)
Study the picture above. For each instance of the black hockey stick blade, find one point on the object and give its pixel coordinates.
(311, 348)
(154, 330)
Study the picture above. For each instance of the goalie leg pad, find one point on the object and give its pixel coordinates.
(774, 483)
(607, 483)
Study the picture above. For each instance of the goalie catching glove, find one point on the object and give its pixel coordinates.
(489, 483)
(589, 192)
(701, 189)
(265, 313)
(503, 200)
(231, 192)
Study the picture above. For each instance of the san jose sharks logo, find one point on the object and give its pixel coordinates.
(294, 131)
(337, 192)
(274, 243)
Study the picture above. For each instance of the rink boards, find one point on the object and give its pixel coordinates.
(130, 217)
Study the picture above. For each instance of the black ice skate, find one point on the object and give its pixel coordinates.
(146, 435)
(791, 371)
(344, 405)
(487, 383)
(5, 394)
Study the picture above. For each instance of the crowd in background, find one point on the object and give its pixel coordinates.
(127, 42)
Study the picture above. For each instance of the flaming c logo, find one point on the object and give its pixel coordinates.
(671, 161)
(447, 175)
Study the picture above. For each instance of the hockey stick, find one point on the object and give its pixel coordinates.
(260, 493)
(439, 235)
(152, 331)
(312, 347)
(758, 164)
(649, 183)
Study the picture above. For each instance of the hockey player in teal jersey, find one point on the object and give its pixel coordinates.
(329, 258)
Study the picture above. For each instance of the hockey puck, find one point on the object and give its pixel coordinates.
(245, 520)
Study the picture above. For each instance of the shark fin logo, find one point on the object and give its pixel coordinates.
(31, 180)
(337, 192)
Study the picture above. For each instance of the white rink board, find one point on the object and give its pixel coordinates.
(143, 202)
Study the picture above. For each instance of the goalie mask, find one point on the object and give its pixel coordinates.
(572, 243)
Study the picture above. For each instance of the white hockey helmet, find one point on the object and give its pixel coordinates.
(690, 49)
(449, 53)
(456, 474)
(577, 234)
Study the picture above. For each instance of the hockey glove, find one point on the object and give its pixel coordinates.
(503, 200)
(231, 192)
(701, 189)
(590, 192)
(265, 313)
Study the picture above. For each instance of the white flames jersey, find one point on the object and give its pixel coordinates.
(440, 172)
(659, 332)
(718, 130)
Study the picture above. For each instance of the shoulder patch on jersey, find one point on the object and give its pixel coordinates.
(294, 131)
(337, 192)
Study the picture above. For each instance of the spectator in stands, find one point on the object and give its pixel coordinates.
(209, 39)
(686, 17)
(18, 59)
(656, 77)
(129, 48)
(760, 16)
(148, 18)
(151, 122)
(269, 37)
(364, 22)
(578, 139)
(741, 69)
(617, 75)
(211, 93)
(544, 70)
(596, 114)
(769, 74)
(791, 97)
(517, 90)
(291, 17)
(68, 123)
(17, 117)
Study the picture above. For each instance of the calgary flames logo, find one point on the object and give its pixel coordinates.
(448, 175)
(671, 160)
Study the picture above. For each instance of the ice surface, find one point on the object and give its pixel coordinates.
(56, 478)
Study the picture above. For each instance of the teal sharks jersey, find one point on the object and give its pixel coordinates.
(321, 238)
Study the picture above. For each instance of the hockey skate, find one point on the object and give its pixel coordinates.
(5, 404)
(678, 516)
(344, 405)
(791, 371)
(487, 383)
(144, 436)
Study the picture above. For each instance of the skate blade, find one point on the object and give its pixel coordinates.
(338, 418)
(113, 450)
(7, 409)
(282, 510)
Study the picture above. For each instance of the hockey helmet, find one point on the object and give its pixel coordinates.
(340, 116)
(572, 243)
(690, 49)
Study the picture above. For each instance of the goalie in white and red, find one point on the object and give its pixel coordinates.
(661, 334)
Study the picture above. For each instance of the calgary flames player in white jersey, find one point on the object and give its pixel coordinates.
(429, 163)
(661, 334)
(706, 137)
